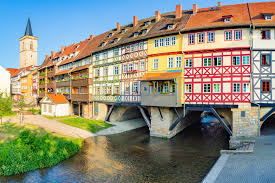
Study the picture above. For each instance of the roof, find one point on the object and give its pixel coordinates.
(213, 17)
(258, 10)
(12, 71)
(57, 98)
(18, 71)
(160, 76)
(28, 31)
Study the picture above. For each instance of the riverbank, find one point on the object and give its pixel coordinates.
(258, 166)
(25, 147)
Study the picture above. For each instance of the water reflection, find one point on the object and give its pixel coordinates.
(136, 157)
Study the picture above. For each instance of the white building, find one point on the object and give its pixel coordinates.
(55, 105)
(5, 82)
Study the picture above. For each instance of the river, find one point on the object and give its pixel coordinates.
(136, 157)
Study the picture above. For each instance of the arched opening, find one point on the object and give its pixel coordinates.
(268, 126)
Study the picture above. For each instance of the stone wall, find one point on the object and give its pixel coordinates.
(102, 112)
(123, 113)
(160, 125)
(246, 119)
(87, 110)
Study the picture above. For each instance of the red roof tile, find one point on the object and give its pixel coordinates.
(12, 71)
(258, 9)
(57, 99)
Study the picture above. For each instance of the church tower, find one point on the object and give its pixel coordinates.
(28, 48)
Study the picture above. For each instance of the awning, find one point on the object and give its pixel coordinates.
(160, 76)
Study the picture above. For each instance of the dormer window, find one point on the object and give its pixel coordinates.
(123, 30)
(170, 26)
(135, 34)
(144, 31)
(227, 18)
(147, 23)
(110, 35)
(76, 47)
(102, 44)
(115, 40)
(268, 16)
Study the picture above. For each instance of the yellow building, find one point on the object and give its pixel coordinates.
(26, 82)
(162, 85)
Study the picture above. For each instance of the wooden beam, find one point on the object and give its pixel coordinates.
(221, 121)
(146, 119)
(176, 122)
(109, 113)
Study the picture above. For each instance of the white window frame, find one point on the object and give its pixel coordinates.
(178, 61)
(156, 43)
(142, 66)
(216, 87)
(125, 68)
(219, 61)
(228, 35)
(238, 35)
(188, 63)
(206, 86)
(210, 37)
(170, 62)
(155, 63)
(238, 61)
(173, 39)
(207, 61)
(201, 37)
(245, 61)
(246, 87)
(188, 88)
(236, 88)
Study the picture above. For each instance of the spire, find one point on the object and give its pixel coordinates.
(28, 31)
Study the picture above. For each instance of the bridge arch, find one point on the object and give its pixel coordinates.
(268, 126)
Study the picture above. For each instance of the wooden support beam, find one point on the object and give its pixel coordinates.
(221, 121)
(109, 113)
(175, 109)
(176, 122)
(146, 119)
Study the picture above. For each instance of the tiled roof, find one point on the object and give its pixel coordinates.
(160, 76)
(258, 9)
(57, 98)
(213, 17)
(12, 71)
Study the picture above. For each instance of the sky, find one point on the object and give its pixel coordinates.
(59, 23)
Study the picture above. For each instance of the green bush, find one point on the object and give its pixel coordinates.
(35, 111)
(29, 152)
(5, 105)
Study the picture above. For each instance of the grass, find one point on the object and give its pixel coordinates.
(86, 124)
(35, 111)
(60, 117)
(8, 114)
(26, 147)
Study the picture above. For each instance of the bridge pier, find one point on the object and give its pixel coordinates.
(163, 117)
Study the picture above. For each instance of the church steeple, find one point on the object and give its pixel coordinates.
(28, 31)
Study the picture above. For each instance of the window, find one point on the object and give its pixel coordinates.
(200, 37)
(166, 87)
(135, 87)
(188, 88)
(87, 61)
(170, 62)
(116, 89)
(141, 46)
(236, 87)
(246, 60)
(217, 88)
(142, 66)
(268, 17)
(116, 52)
(97, 73)
(217, 61)
(228, 35)
(246, 87)
(106, 71)
(170, 26)
(236, 60)
(206, 88)
(188, 63)
(97, 57)
(130, 67)
(155, 63)
(178, 62)
(191, 38)
(136, 66)
(82, 90)
(97, 90)
(135, 34)
(161, 41)
(110, 35)
(238, 34)
(207, 62)
(265, 86)
(127, 90)
(227, 19)
(266, 34)
(124, 68)
(211, 37)
(147, 23)
(173, 41)
(136, 47)
(109, 88)
(123, 30)
(167, 41)
(156, 43)
(132, 48)
(144, 31)
(105, 55)
(116, 70)
(265, 59)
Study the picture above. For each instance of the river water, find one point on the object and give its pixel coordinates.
(136, 157)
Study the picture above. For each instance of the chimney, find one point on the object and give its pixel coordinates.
(118, 27)
(47, 56)
(53, 53)
(91, 37)
(62, 49)
(135, 20)
(219, 4)
(178, 11)
(157, 16)
(195, 8)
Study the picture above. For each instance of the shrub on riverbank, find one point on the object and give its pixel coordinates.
(5, 106)
(30, 151)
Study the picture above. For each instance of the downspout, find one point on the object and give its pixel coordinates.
(184, 109)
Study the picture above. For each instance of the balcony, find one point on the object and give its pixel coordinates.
(42, 76)
(50, 74)
(81, 97)
(81, 82)
(167, 100)
(63, 84)
(50, 85)
(41, 95)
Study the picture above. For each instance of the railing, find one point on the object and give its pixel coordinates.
(63, 84)
(169, 99)
(81, 97)
(81, 82)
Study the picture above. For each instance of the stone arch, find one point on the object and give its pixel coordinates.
(268, 126)
(123, 113)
